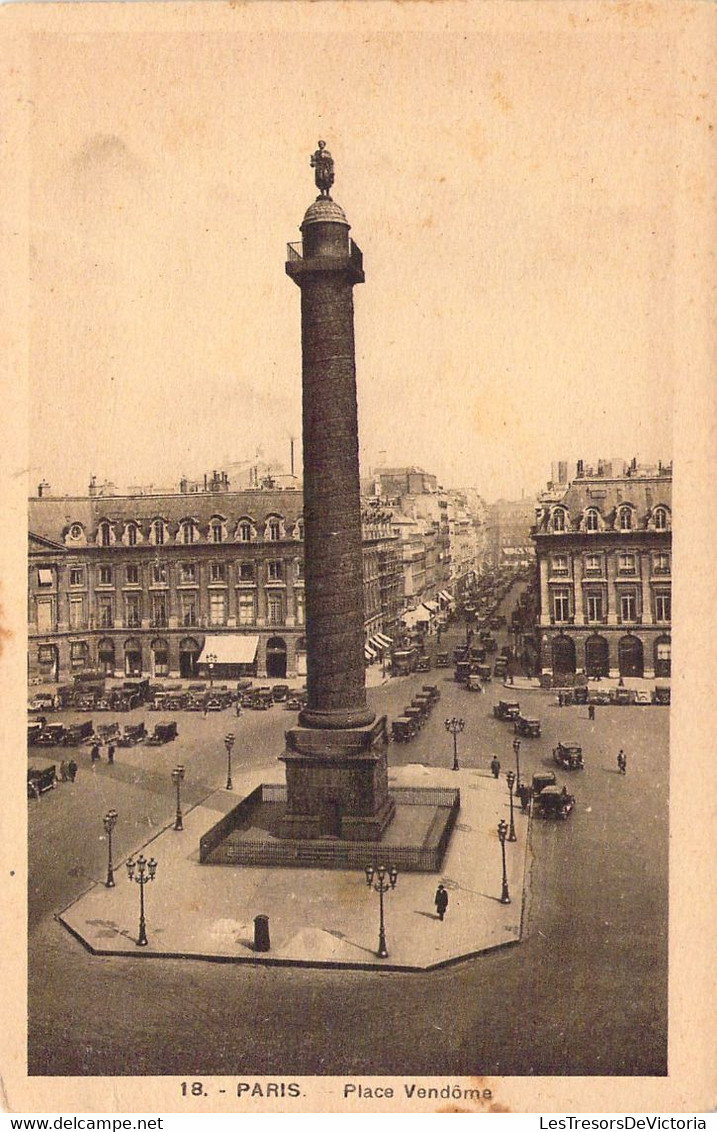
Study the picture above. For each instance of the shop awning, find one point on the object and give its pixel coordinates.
(445, 596)
(415, 616)
(229, 648)
(384, 641)
(431, 606)
(369, 653)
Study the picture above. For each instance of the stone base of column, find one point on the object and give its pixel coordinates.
(337, 783)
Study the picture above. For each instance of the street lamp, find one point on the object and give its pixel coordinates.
(229, 743)
(145, 873)
(510, 779)
(454, 726)
(109, 821)
(516, 748)
(211, 659)
(177, 777)
(381, 886)
(502, 831)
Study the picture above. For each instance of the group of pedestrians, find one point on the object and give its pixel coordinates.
(96, 756)
(67, 771)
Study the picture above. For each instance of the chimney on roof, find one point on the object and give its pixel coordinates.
(580, 469)
(43, 489)
(92, 489)
(183, 485)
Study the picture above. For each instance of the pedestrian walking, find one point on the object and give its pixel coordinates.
(206, 709)
(110, 753)
(560, 699)
(622, 762)
(95, 753)
(238, 708)
(72, 770)
(495, 766)
(441, 901)
(591, 711)
(524, 795)
(63, 771)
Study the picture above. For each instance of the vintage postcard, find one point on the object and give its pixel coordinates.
(356, 588)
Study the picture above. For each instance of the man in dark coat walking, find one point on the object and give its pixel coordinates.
(495, 766)
(72, 770)
(441, 901)
(622, 762)
(111, 753)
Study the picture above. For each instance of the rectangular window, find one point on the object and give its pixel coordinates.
(626, 564)
(133, 575)
(217, 572)
(44, 576)
(133, 610)
(663, 607)
(275, 570)
(594, 606)
(79, 654)
(246, 571)
(561, 605)
(628, 606)
(663, 650)
(661, 563)
(104, 576)
(274, 530)
(593, 564)
(217, 608)
(189, 609)
(275, 608)
(159, 611)
(247, 609)
(159, 573)
(104, 612)
(560, 564)
(45, 617)
(77, 613)
(187, 572)
(245, 532)
(77, 576)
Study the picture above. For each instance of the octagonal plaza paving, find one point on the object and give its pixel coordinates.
(317, 917)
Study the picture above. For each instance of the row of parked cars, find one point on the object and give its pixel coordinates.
(508, 711)
(86, 734)
(415, 714)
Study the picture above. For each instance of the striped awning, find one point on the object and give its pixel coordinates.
(384, 641)
(369, 653)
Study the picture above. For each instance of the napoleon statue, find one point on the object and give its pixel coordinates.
(323, 163)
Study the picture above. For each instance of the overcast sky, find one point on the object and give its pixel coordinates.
(509, 172)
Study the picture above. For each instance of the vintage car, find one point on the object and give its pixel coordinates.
(42, 702)
(423, 701)
(40, 779)
(260, 700)
(500, 667)
(581, 694)
(506, 709)
(280, 693)
(78, 733)
(661, 694)
(216, 702)
(526, 726)
(132, 733)
(244, 684)
(414, 713)
(459, 654)
(489, 641)
(33, 731)
(442, 660)
(553, 802)
(497, 622)
(163, 733)
(423, 664)
(622, 696)
(403, 729)
(463, 671)
(542, 779)
(476, 654)
(403, 661)
(599, 696)
(51, 735)
(569, 756)
(432, 691)
(643, 698)
(107, 732)
(474, 683)
(484, 672)
(294, 703)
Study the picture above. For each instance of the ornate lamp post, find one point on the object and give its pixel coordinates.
(109, 821)
(516, 748)
(510, 779)
(211, 659)
(454, 726)
(177, 778)
(145, 873)
(381, 886)
(229, 743)
(502, 831)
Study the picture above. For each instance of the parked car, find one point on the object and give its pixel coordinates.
(132, 733)
(474, 683)
(40, 779)
(553, 802)
(643, 697)
(542, 779)
(442, 660)
(432, 691)
(52, 735)
(280, 693)
(506, 709)
(78, 733)
(500, 667)
(108, 732)
(163, 733)
(294, 703)
(423, 664)
(33, 731)
(244, 684)
(661, 694)
(403, 729)
(42, 701)
(527, 727)
(569, 756)
(622, 696)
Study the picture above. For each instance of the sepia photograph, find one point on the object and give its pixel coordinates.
(355, 370)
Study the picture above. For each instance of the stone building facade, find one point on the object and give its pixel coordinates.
(604, 554)
(153, 585)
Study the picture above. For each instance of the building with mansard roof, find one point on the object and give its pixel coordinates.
(157, 584)
(603, 544)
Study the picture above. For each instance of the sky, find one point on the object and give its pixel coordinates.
(510, 173)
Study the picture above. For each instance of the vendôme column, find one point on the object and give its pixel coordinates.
(336, 769)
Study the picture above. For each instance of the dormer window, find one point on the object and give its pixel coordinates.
(187, 532)
(660, 519)
(273, 530)
(624, 519)
(158, 532)
(558, 519)
(105, 533)
(592, 522)
(245, 531)
(216, 531)
(131, 534)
